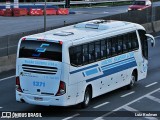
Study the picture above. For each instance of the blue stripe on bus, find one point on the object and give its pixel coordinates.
(83, 74)
(91, 72)
(114, 70)
(118, 64)
(84, 69)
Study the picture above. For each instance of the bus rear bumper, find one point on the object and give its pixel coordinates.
(41, 100)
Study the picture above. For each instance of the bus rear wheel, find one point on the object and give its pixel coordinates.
(87, 98)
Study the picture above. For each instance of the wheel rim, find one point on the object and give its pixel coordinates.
(87, 98)
(132, 80)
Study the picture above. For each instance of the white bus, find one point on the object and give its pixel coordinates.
(73, 64)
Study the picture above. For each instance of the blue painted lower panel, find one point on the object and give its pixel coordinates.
(114, 70)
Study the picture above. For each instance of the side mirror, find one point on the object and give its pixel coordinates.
(151, 38)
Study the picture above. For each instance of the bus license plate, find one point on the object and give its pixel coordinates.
(38, 98)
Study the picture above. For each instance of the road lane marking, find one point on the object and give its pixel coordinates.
(7, 78)
(67, 118)
(104, 115)
(101, 105)
(153, 98)
(1, 107)
(105, 12)
(128, 94)
(128, 108)
(151, 84)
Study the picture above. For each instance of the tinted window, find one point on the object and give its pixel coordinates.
(139, 3)
(134, 41)
(102, 49)
(119, 46)
(109, 47)
(97, 50)
(40, 50)
(91, 52)
(85, 54)
(113, 48)
(144, 43)
(76, 55)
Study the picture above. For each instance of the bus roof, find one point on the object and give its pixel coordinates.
(84, 29)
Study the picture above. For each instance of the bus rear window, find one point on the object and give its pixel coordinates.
(40, 50)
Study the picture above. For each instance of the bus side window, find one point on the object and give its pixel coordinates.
(109, 47)
(125, 41)
(134, 40)
(124, 47)
(131, 42)
(85, 54)
(103, 49)
(113, 46)
(75, 55)
(92, 52)
(129, 45)
(144, 43)
(72, 58)
(119, 45)
(97, 50)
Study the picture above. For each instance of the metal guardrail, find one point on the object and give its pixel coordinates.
(84, 2)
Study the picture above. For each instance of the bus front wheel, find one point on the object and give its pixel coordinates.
(132, 82)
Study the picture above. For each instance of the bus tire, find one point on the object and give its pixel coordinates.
(87, 98)
(133, 81)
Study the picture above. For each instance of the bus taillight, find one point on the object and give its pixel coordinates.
(18, 87)
(23, 39)
(60, 42)
(62, 89)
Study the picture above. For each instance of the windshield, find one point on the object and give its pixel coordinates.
(139, 3)
(40, 50)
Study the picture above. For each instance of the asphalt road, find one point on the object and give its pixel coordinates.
(13, 25)
(143, 98)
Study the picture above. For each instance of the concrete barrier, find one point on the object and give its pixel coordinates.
(148, 27)
(9, 62)
(157, 26)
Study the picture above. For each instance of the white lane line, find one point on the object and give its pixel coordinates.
(128, 94)
(128, 108)
(1, 107)
(105, 12)
(101, 105)
(151, 84)
(153, 98)
(67, 118)
(104, 115)
(7, 78)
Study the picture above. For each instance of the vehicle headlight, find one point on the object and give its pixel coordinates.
(129, 9)
(139, 9)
